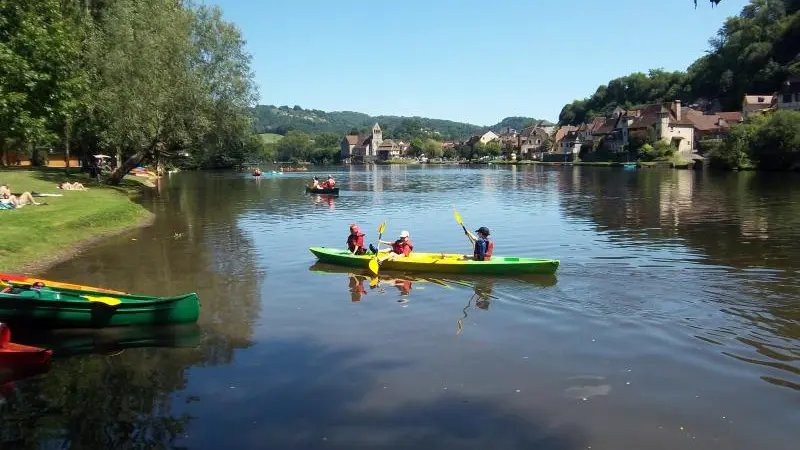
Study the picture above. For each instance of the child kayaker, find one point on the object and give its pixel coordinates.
(483, 246)
(400, 247)
(355, 241)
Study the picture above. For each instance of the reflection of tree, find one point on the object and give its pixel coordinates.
(194, 245)
(93, 402)
(711, 212)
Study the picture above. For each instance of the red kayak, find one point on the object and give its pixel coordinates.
(12, 354)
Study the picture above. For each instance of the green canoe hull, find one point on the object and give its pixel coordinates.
(67, 308)
(331, 191)
(442, 263)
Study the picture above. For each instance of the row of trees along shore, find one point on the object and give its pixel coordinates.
(325, 148)
(140, 78)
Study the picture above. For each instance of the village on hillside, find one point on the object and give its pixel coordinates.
(687, 129)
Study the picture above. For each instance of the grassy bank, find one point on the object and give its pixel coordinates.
(35, 236)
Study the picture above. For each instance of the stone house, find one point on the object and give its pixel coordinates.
(666, 120)
(530, 142)
(756, 104)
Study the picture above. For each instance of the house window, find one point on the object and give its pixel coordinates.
(760, 99)
(787, 98)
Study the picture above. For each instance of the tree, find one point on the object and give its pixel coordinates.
(432, 148)
(38, 86)
(493, 149)
(295, 146)
(776, 143)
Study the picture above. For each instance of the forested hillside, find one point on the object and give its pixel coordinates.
(753, 52)
(274, 119)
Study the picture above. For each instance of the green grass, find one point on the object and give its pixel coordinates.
(270, 138)
(34, 234)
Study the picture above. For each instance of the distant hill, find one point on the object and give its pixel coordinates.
(279, 120)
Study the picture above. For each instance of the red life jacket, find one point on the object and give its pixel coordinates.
(402, 248)
(355, 242)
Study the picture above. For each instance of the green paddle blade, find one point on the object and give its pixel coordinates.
(110, 301)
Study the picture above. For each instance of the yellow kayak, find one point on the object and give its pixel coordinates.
(441, 262)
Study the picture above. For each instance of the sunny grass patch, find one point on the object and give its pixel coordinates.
(33, 234)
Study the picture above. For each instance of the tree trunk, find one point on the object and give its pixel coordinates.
(121, 170)
(3, 157)
(67, 133)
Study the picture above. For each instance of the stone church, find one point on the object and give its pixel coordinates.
(357, 149)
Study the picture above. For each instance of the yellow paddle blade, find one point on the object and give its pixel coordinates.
(110, 301)
(381, 227)
(373, 266)
(458, 217)
(374, 281)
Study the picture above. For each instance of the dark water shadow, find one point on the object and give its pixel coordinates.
(311, 395)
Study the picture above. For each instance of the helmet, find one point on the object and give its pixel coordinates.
(404, 233)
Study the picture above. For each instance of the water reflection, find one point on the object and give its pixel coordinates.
(481, 288)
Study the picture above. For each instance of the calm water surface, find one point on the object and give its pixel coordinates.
(673, 321)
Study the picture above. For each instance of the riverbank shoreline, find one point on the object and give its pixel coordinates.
(659, 164)
(38, 237)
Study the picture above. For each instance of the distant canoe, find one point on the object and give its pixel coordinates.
(629, 166)
(332, 191)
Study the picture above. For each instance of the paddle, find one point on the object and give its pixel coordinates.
(461, 222)
(110, 301)
(373, 262)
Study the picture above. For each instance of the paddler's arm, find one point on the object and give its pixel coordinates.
(471, 237)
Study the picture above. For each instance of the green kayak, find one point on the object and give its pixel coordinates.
(69, 308)
(441, 263)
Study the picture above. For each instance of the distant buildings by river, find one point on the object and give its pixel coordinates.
(688, 128)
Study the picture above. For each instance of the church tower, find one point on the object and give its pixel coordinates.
(377, 139)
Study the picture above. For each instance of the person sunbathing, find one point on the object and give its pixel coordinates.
(15, 201)
(67, 186)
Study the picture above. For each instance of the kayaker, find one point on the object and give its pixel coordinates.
(355, 241)
(400, 247)
(330, 183)
(315, 183)
(483, 246)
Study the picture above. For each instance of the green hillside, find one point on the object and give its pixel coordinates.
(279, 120)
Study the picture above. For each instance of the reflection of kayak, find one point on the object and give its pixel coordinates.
(334, 191)
(20, 279)
(61, 307)
(448, 281)
(16, 355)
(69, 342)
(441, 262)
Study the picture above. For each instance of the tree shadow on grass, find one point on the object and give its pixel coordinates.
(302, 395)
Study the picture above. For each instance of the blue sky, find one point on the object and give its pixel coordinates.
(467, 60)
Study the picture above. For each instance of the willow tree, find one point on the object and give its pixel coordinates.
(172, 78)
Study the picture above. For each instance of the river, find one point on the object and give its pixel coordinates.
(672, 322)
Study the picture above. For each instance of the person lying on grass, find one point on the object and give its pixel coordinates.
(67, 186)
(16, 201)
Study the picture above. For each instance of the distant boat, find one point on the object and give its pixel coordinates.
(629, 166)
